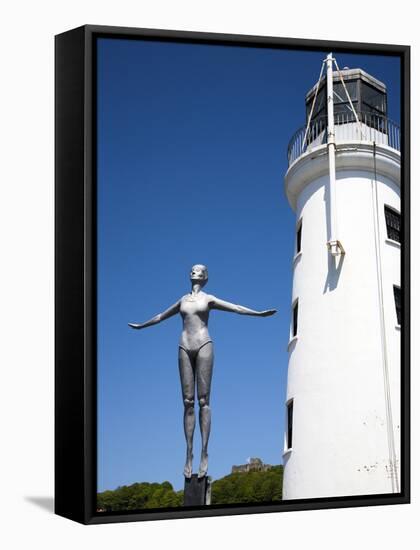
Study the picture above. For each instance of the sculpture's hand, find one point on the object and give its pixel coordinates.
(268, 312)
(135, 325)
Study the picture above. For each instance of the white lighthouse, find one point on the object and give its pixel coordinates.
(342, 407)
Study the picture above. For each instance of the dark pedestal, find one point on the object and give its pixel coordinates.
(197, 491)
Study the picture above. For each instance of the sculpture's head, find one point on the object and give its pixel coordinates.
(199, 274)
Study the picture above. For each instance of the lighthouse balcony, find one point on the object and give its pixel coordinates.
(370, 127)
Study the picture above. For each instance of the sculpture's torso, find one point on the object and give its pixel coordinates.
(194, 310)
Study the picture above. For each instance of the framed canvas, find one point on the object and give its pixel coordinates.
(232, 274)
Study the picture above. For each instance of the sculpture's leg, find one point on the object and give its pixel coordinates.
(204, 368)
(186, 372)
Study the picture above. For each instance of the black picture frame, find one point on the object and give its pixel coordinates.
(75, 273)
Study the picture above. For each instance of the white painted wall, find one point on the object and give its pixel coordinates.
(336, 373)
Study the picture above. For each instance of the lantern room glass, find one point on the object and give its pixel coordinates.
(367, 95)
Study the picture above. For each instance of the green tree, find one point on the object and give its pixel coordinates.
(244, 487)
(139, 496)
(238, 488)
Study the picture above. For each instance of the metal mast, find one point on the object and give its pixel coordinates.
(334, 245)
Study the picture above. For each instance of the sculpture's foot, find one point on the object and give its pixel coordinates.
(188, 466)
(204, 463)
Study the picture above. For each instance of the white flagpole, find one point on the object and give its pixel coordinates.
(333, 243)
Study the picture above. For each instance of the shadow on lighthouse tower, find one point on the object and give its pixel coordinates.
(342, 407)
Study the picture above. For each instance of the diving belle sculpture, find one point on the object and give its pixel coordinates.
(195, 356)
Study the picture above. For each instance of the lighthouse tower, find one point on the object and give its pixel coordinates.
(342, 407)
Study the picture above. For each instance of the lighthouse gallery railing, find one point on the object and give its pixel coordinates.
(373, 127)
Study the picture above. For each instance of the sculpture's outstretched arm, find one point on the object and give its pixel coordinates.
(173, 310)
(216, 303)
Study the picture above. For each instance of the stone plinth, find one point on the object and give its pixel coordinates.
(197, 491)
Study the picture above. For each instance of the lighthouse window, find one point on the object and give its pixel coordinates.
(397, 298)
(393, 224)
(299, 237)
(289, 425)
(342, 105)
(373, 100)
(295, 319)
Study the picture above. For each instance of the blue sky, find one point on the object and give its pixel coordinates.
(192, 143)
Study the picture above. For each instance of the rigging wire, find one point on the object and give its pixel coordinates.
(388, 407)
(349, 98)
(313, 105)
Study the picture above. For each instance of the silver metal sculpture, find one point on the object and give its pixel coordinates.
(195, 356)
